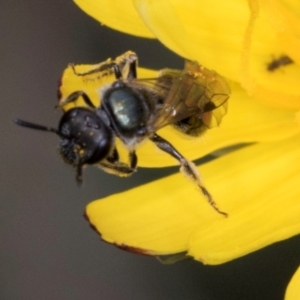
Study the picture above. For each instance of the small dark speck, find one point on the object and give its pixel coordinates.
(279, 62)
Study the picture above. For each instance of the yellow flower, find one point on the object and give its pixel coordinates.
(256, 46)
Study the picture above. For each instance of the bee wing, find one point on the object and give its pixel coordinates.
(180, 94)
(195, 91)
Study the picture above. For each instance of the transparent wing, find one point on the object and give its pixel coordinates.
(193, 92)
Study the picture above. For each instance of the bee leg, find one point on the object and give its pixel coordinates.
(127, 64)
(109, 67)
(106, 68)
(187, 167)
(74, 96)
(132, 70)
(114, 166)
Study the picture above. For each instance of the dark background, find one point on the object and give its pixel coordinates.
(47, 249)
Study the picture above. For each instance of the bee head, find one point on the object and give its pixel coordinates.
(84, 137)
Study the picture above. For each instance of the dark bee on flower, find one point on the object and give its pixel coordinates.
(132, 110)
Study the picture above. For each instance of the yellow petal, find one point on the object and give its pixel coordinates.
(117, 14)
(261, 39)
(155, 219)
(237, 42)
(161, 14)
(276, 99)
(200, 28)
(237, 39)
(260, 193)
(261, 188)
(284, 17)
(293, 289)
(211, 36)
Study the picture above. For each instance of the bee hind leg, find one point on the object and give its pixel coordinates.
(187, 168)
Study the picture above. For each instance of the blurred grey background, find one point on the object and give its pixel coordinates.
(47, 249)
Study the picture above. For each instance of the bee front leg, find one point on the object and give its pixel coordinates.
(114, 166)
(105, 68)
(124, 66)
(187, 167)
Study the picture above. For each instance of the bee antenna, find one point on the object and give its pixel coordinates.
(79, 173)
(37, 127)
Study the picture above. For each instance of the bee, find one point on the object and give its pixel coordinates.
(281, 61)
(132, 110)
